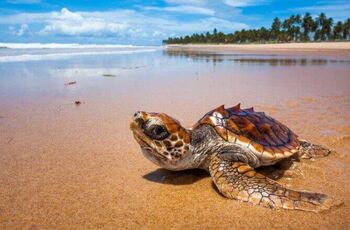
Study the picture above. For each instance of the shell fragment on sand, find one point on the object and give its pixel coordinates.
(108, 75)
(70, 83)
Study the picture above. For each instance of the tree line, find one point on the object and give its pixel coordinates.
(296, 28)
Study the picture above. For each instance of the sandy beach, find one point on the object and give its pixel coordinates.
(68, 166)
(339, 48)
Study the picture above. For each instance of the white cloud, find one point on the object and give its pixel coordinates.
(22, 30)
(119, 25)
(243, 3)
(157, 34)
(187, 9)
(190, 2)
(23, 18)
(339, 10)
(13, 30)
(70, 23)
(325, 8)
(208, 24)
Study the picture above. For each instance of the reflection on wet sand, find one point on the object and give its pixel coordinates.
(259, 59)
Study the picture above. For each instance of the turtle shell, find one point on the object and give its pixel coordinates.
(268, 138)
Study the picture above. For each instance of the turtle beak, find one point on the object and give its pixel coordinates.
(137, 120)
(136, 124)
(139, 117)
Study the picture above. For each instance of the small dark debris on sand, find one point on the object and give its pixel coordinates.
(70, 83)
(77, 102)
(133, 67)
(108, 75)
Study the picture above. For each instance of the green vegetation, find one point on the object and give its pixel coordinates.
(293, 29)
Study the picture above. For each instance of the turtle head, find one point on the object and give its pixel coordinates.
(162, 139)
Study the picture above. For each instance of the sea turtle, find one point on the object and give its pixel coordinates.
(230, 144)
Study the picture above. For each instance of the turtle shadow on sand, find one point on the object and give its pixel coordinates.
(185, 177)
(191, 176)
(286, 167)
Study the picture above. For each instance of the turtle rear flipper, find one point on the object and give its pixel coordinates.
(309, 150)
(237, 180)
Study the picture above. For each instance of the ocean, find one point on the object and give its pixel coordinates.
(19, 52)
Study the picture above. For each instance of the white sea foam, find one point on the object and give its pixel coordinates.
(63, 46)
(87, 72)
(65, 55)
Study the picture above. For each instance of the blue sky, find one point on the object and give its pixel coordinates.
(145, 22)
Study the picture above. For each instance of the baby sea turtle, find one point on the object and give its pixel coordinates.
(230, 144)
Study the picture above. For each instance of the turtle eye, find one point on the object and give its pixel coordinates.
(157, 132)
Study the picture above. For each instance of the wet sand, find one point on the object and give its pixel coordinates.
(65, 166)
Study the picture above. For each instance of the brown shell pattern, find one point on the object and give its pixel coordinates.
(266, 137)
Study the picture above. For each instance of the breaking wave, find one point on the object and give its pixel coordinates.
(18, 52)
(63, 46)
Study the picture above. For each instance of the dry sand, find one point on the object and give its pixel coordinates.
(77, 167)
(290, 48)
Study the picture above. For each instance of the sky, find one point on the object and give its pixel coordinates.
(145, 22)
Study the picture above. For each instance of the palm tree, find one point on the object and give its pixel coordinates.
(264, 34)
(287, 26)
(337, 30)
(319, 34)
(308, 25)
(296, 20)
(346, 29)
(220, 37)
(275, 29)
(328, 27)
(293, 28)
(324, 25)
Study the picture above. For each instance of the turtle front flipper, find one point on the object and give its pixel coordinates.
(237, 180)
(309, 150)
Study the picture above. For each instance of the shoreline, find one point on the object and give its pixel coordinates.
(311, 47)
